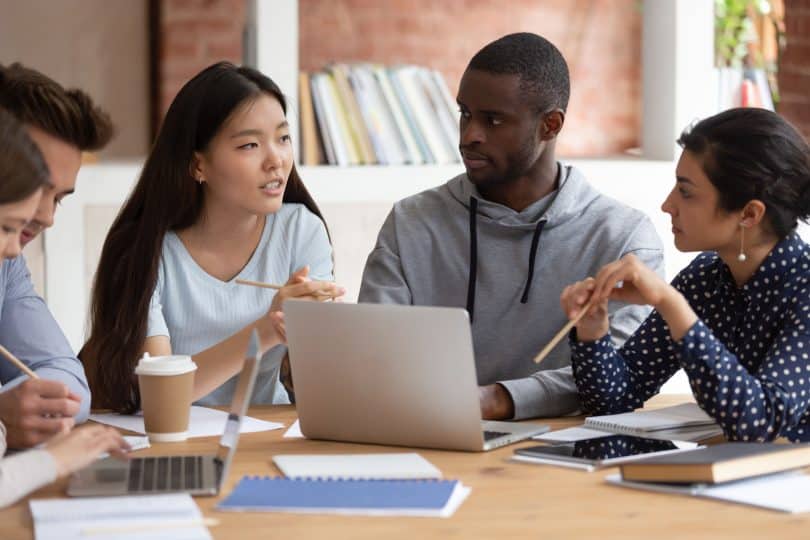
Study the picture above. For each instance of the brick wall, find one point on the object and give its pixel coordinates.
(192, 35)
(600, 39)
(794, 66)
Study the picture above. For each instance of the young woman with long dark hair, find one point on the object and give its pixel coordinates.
(737, 319)
(218, 199)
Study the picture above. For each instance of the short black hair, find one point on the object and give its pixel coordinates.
(67, 114)
(541, 66)
(751, 153)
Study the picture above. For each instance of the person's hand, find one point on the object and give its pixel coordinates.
(76, 449)
(301, 287)
(36, 410)
(629, 280)
(496, 402)
(271, 327)
(594, 324)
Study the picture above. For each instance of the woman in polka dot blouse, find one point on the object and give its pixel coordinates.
(737, 319)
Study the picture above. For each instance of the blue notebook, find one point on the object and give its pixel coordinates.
(417, 497)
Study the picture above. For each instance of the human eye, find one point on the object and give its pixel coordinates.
(684, 193)
(465, 114)
(493, 120)
(9, 230)
(286, 138)
(249, 146)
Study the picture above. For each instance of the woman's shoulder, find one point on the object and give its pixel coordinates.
(297, 216)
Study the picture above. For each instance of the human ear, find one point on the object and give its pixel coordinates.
(551, 124)
(752, 213)
(196, 167)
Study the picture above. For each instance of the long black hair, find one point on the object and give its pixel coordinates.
(166, 198)
(751, 153)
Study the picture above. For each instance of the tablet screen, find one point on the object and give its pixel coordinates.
(601, 450)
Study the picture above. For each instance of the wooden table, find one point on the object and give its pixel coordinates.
(508, 499)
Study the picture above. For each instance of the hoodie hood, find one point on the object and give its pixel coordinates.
(567, 202)
(558, 205)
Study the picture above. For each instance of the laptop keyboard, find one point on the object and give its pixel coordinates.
(166, 473)
(489, 435)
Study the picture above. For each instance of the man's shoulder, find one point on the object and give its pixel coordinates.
(430, 204)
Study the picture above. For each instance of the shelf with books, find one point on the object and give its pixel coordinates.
(366, 114)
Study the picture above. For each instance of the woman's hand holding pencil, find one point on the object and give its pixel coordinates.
(271, 328)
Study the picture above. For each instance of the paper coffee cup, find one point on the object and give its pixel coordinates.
(166, 384)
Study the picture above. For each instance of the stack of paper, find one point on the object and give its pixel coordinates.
(203, 422)
(153, 517)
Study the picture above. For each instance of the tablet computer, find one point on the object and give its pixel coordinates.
(601, 451)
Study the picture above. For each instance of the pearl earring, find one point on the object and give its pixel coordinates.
(741, 257)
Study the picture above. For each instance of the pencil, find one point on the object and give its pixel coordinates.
(562, 333)
(263, 285)
(150, 526)
(258, 284)
(16, 361)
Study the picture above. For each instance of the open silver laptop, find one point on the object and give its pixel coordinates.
(197, 475)
(388, 374)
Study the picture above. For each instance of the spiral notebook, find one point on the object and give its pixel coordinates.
(686, 416)
(429, 498)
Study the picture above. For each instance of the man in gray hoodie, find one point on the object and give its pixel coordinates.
(505, 238)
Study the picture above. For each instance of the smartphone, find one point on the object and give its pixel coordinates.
(603, 451)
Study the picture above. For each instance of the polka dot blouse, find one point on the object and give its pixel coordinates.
(746, 357)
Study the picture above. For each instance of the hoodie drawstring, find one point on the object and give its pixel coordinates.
(473, 257)
(532, 253)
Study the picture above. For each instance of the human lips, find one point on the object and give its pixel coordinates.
(473, 160)
(27, 235)
(273, 188)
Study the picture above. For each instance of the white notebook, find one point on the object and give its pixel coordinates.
(359, 466)
(780, 492)
(145, 517)
(683, 416)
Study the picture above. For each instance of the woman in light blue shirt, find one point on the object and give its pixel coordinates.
(218, 200)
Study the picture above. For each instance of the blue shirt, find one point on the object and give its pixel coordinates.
(29, 332)
(197, 311)
(746, 357)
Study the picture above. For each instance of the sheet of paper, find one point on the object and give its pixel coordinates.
(781, 492)
(572, 434)
(146, 517)
(371, 466)
(294, 432)
(554, 462)
(204, 422)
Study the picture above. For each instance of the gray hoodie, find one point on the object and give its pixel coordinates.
(449, 246)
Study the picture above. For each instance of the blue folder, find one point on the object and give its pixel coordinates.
(281, 493)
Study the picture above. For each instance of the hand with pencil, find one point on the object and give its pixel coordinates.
(299, 286)
(36, 409)
(626, 280)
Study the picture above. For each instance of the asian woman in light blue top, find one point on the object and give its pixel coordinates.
(218, 200)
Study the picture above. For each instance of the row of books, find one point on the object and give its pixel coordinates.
(365, 114)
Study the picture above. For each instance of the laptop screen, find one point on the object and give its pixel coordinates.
(239, 404)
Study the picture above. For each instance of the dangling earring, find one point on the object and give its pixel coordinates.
(200, 180)
(741, 257)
